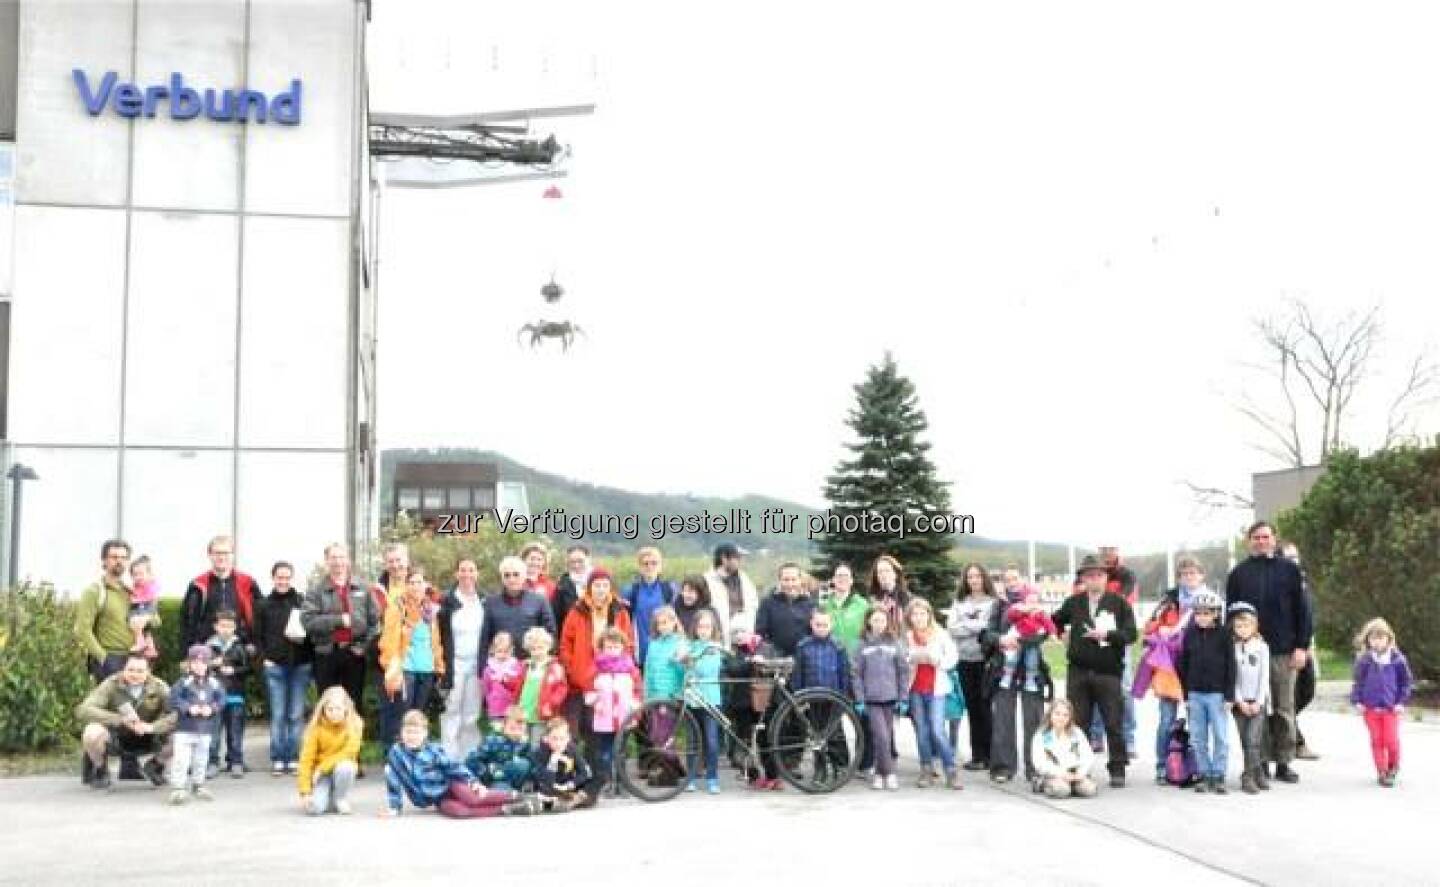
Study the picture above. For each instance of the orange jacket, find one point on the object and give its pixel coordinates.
(401, 617)
(577, 640)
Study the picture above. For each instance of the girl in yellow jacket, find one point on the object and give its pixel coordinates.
(330, 754)
(411, 655)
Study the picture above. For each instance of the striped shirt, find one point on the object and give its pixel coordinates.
(423, 775)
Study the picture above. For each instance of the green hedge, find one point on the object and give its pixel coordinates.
(42, 670)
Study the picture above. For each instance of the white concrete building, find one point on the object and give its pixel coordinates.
(188, 305)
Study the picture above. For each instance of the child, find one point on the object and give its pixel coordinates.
(232, 663)
(1062, 755)
(144, 609)
(664, 680)
(197, 699)
(821, 661)
(1030, 625)
(544, 689)
(1382, 687)
(615, 698)
(562, 776)
(954, 708)
(411, 652)
(705, 658)
(1156, 672)
(1252, 693)
(881, 679)
(694, 599)
(330, 754)
(1207, 676)
(503, 758)
(933, 655)
(420, 770)
(501, 680)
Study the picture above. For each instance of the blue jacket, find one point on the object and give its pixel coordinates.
(821, 662)
(187, 692)
(644, 598)
(500, 760)
(664, 674)
(422, 775)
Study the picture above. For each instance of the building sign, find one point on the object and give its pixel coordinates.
(183, 102)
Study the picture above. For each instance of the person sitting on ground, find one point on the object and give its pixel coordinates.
(419, 770)
(126, 714)
(1062, 755)
(504, 759)
(197, 700)
(562, 777)
(144, 609)
(330, 754)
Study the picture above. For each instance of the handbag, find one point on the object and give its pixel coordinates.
(294, 628)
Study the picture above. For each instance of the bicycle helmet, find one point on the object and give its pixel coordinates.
(1205, 599)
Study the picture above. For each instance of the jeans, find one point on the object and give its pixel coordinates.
(285, 687)
(418, 687)
(230, 725)
(928, 712)
(710, 729)
(189, 752)
(1168, 709)
(1207, 721)
(332, 788)
(1097, 724)
(604, 755)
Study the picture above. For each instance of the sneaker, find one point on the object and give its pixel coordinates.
(154, 772)
(925, 780)
(864, 775)
(712, 786)
(100, 778)
(1262, 779)
(202, 793)
(952, 781)
(178, 797)
(878, 783)
(212, 771)
(343, 808)
(237, 771)
(1217, 786)
(690, 786)
(976, 765)
(277, 768)
(1202, 786)
(935, 772)
(1247, 783)
(1160, 777)
(1303, 753)
(524, 807)
(1284, 774)
(1000, 777)
(892, 783)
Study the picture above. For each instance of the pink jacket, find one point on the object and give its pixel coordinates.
(500, 682)
(617, 692)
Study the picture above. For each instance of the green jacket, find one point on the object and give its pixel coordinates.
(102, 705)
(847, 621)
(103, 630)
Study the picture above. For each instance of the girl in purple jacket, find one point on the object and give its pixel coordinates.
(1382, 687)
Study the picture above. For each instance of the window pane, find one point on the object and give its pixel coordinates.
(484, 497)
(459, 497)
(434, 499)
(408, 499)
(291, 506)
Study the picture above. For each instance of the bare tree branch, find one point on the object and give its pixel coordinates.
(1214, 497)
(1421, 388)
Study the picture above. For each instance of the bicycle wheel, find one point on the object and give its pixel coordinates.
(651, 753)
(817, 740)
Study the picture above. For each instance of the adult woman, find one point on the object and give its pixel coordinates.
(537, 570)
(597, 610)
(288, 661)
(974, 621)
(462, 616)
(887, 588)
(411, 652)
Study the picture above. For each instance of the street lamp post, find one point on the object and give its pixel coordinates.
(18, 474)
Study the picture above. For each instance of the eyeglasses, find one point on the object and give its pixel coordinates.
(510, 575)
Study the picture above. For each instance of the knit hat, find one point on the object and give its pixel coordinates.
(599, 573)
(198, 652)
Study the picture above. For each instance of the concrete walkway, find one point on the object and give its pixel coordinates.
(1336, 827)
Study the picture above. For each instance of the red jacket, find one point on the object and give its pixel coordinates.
(577, 640)
(554, 690)
(197, 610)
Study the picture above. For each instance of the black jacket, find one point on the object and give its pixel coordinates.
(566, 597)
(515, 616)
(448, 606)
(1275, 588)
(199, 607)
(271, 616)
(237, 657)
(784, 622)
(1207, 660)
(563, 774)
(1074, 615)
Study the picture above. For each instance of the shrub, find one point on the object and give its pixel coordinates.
(42, 670)
(1369, 534)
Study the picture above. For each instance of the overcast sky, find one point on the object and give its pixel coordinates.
(1060, 218)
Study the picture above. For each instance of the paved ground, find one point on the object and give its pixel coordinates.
(1336, 827)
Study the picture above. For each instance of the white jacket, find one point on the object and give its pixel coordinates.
(1055, 756)
(720, 602)
(943, 656)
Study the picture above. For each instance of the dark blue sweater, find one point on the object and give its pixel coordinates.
(1274, 587)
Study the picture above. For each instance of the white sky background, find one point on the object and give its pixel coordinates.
(1018, 200)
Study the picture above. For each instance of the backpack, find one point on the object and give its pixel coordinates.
(1181, 766)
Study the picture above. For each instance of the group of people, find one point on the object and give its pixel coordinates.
(532, 683)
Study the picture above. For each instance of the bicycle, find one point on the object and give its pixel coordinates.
(814, 738)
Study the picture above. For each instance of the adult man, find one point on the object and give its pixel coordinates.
(514, 610)
(784, 616)
(568, 589)
(389, 585)
(1101, 626)
(221, 588)
(645, 595)
(127, 714)
(341, 619)
(1274, 587)
(1119, 579)
(732, 594)
(102, 618)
